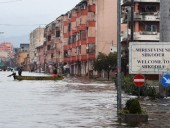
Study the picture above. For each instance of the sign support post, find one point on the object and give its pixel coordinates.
(119, 100)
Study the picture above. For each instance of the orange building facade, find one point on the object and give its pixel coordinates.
(75, 38)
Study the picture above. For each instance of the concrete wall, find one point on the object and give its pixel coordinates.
(106, 17)
(165, 20)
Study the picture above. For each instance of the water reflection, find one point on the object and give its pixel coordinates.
(70, 103)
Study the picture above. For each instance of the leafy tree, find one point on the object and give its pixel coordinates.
(105, 62)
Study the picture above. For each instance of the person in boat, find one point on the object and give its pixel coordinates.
(54, 72)
(19, 71)
(13, 73)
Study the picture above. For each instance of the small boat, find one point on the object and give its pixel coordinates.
(38, 77)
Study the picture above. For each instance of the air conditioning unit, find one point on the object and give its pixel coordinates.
(113, 49)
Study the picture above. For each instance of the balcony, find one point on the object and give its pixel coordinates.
(83, 12)
(128, 2)
(92, 8)
(124, 36)
(66, 59)
(91, 23)
(146, 35)
(91, 56)
(147, 16)
(91, 16)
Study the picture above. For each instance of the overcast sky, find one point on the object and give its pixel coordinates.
(20, 17)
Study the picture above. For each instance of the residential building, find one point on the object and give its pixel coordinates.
(73, 40)
(142, 24)
(36, 40)
(21, 54)
(6, 54)
(88, 29)
(41, 58)
(6, 51)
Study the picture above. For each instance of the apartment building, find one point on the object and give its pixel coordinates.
(142, 24)
(73, 40)
(53, 45)
(21, 54)
(6, 51)
(89, 28)
(36, 40)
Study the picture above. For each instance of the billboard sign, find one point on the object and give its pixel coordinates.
(149, 57)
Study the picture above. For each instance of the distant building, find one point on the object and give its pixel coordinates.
(36, 40)
(24, 47)
(21, 55)
(6, 53)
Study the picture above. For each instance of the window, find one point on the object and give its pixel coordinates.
(151, 28)
(78, 50)
(52, 55)
(49, 38)
(150, 8)
(57, 33)
(83, 35)
(90, 48)
(65, 53)
(48, 47)
(69, 27)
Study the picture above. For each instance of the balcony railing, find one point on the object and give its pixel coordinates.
(128, 2)
(146, 35)
(147, 16)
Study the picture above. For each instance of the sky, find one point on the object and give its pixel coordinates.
(18, 18)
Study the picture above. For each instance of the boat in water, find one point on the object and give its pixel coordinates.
(38, 77)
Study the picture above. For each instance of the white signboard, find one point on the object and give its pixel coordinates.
(149, 57)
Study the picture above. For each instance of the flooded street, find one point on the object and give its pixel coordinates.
(69, 103)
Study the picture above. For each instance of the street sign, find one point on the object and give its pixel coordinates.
(139, 80)
(165, 80)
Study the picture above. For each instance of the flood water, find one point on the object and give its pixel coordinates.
(69, 103)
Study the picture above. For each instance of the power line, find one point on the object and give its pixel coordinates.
(21, 25)
(9, 1)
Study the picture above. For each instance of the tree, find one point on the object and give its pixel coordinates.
(105, 62)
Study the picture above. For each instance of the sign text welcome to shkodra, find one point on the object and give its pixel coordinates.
(149, 57)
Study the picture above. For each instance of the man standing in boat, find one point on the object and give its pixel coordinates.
(54, 71)
(19, 71)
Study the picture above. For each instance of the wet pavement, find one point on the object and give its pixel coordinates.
(69, 103)
(159, 113)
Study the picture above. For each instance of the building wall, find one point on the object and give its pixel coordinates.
(36, 39)
(40, 62)
(164, 20)
(106, 21)
(21, 58)
(6, 50)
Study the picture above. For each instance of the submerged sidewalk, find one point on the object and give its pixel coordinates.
(158, 112)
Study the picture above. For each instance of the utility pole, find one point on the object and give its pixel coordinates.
(119, 99)
(132, 16)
